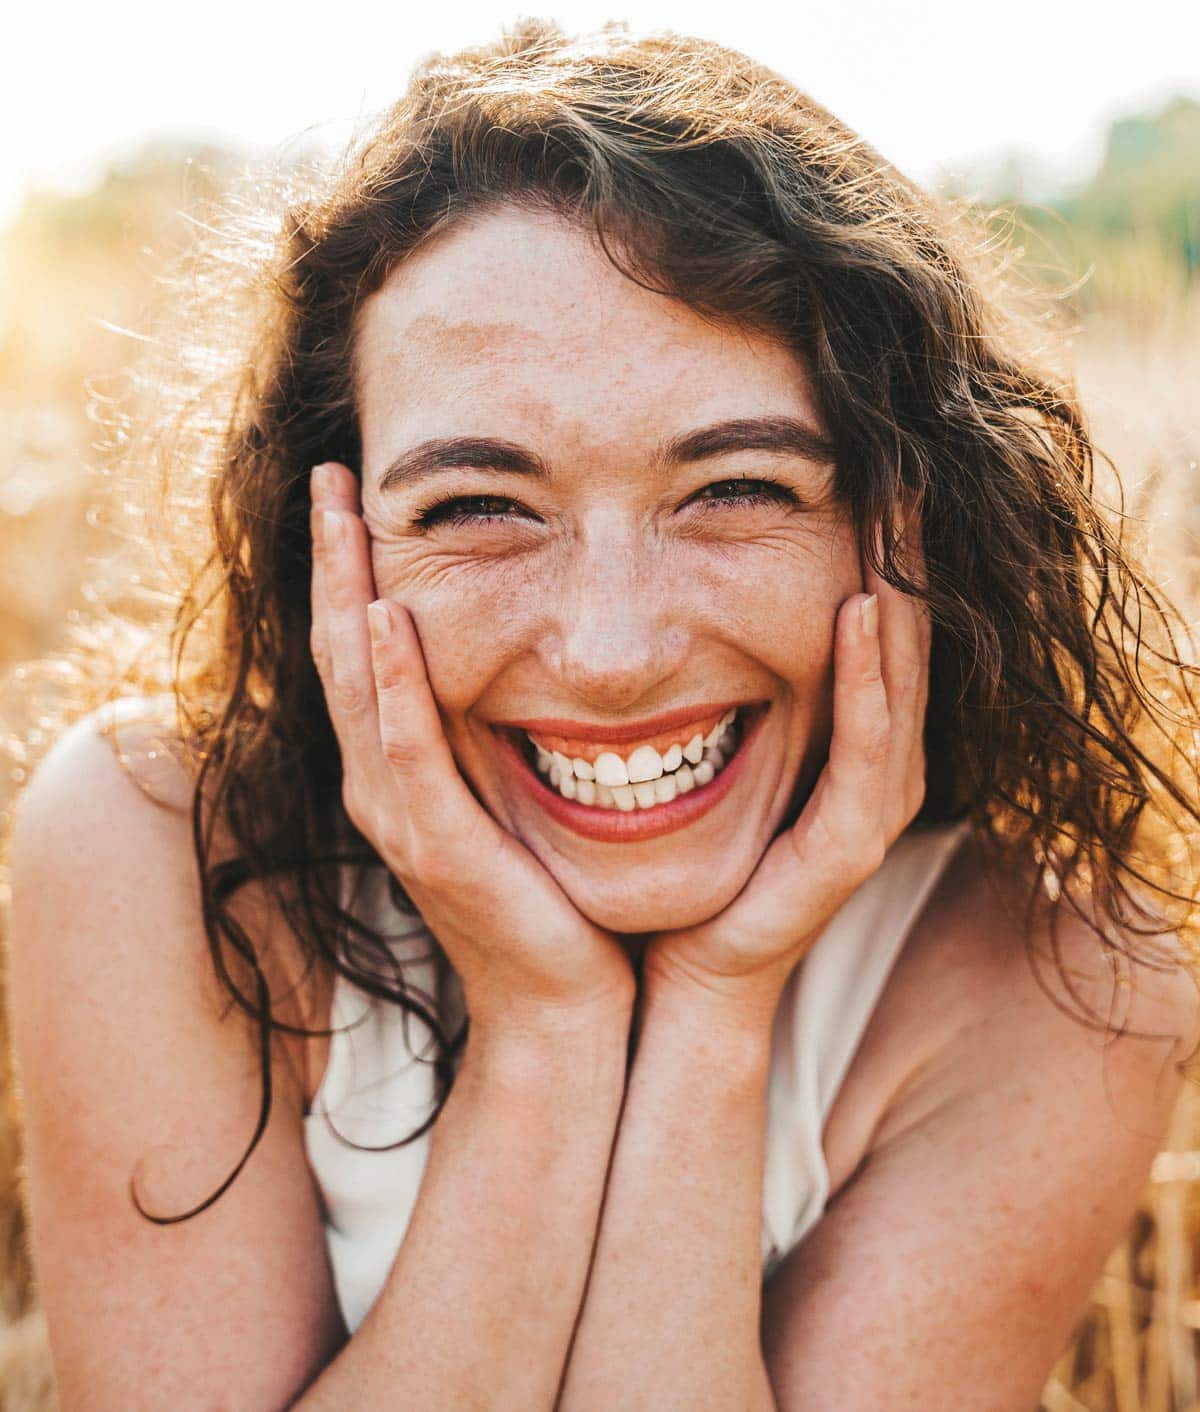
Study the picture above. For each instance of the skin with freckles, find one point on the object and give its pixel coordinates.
(615, 588)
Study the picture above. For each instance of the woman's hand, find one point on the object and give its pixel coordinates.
(522, 951)
(868, 792)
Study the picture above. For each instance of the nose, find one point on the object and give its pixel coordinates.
(617, 631)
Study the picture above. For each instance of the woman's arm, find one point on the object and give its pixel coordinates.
(671, 1316)
(132, 1064)
(482, 1298)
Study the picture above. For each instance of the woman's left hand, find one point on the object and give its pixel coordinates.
(867, 793)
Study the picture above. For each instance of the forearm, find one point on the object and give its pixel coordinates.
(672, 1310)
(483, 1295)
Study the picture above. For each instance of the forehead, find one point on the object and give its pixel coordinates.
(520, 313)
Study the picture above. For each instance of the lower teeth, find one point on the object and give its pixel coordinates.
(628, 797)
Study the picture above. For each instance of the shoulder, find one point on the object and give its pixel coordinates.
(141, 1089)
(144, 739)
(1011, 1139)
(983, 986)
(94, 801)
(106, 820)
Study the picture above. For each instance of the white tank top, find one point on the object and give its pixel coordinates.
(378, 1086)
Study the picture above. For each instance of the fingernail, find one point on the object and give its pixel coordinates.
(333, 529)
(868, 615)
(378, 621)
(322, 480)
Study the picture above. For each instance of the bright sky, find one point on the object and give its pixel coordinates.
(933, 85)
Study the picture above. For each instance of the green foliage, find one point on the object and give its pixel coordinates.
(1128, 239)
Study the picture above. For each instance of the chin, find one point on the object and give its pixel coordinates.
(662, 910)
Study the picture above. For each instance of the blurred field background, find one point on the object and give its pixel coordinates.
(79, 283)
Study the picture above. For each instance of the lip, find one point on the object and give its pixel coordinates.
(619, 735)
(615, 826)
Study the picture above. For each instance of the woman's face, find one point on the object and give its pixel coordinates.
(617, 558)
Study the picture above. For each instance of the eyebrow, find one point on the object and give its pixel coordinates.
(790, 435)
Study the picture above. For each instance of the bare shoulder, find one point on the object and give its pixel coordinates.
(125, 771)
(1009, 1146)
(145, 742)
(141, 1091)
(974, 992)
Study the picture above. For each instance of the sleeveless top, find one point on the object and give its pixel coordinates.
(378, 1083)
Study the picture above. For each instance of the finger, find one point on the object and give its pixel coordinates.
(348, 585)
(436, 811)
(331, 486)
(904, 637)
(334, 486)
(404, 786)
(901, 635)
(838, 840)
(318, 637)
(418, 809)
(842, 831)
(862, 740)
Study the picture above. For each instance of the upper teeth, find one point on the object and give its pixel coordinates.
(643, 765)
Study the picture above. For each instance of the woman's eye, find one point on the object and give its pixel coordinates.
(464, 510)
(745, 491)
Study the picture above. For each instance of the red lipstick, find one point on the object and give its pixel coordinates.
(627, 732)
(616, 826)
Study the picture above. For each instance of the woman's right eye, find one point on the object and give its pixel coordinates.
(463, 510)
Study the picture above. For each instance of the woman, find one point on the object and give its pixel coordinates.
(670, 680)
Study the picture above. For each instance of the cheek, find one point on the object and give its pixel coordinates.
(776, 600)
(469, 625)
(784, 608)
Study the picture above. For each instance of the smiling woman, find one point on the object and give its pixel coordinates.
(663, 531)
(656, 683)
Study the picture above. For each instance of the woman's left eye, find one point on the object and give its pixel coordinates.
(748, 492)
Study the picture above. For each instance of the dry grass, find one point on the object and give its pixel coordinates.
(1135, 1348)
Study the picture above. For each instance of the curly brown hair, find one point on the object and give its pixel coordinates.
(1061, 721)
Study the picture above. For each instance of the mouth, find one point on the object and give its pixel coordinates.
(623, 796)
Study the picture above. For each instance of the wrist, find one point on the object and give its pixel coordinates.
(696, 1046)
(735, 1010)
(528, 1047)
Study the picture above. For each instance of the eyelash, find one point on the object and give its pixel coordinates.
(439, 512)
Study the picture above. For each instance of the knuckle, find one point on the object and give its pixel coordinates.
(400, 751)
(431, 862)
(854, 844)
(388, 835)
(390, 677)
(845, 847)
(391, 838)
(338, 594)
(350, 695)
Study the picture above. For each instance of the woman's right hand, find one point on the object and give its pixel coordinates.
(524, 954)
